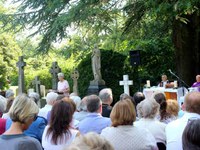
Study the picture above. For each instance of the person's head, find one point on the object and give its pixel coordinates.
(35, 96)
(83, 104)
(76, 100)
(172, 107)
(148, 108)
(161, 100)
(90, 141)
(192, 102)
(61, 117)
(73, 105)
(164, 78)
(3, 103)
(198, 78)
(191, 136)
(23, 110)
(106, 96)
(138, 97)
(10, 94)
(123, 113)
(94, 104)
(61, 76)
(126, 96)
(51, 98)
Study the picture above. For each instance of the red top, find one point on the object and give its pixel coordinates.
(2, 125)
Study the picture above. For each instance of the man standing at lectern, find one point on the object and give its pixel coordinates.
(164, 81)
(197, 83)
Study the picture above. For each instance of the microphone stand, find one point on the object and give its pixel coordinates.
(182, 83)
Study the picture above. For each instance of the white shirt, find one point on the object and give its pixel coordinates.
(155, 127)
(129, 138)
(44, 111)
(48, 145)
(62, 85)
(174, 131)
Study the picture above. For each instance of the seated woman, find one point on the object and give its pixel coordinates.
(122, 134)
(172, 110)
(147, 111)
(23, 112)
(59, 133)
(90, 141)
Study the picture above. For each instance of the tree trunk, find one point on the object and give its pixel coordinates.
(186, 39)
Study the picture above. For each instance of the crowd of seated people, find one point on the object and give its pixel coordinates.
(96, 123)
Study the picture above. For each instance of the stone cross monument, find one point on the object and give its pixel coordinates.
(126, 83)
(75, 76)
(21, 85)
(55, 69)
(36, 82)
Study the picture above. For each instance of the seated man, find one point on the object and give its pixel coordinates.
(197, 83)
(106, 98)
(94, 122)
(164, 81)
(174, 129)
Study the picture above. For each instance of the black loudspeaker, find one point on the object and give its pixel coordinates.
(135, 57)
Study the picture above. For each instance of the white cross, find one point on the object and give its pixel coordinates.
(126, 82)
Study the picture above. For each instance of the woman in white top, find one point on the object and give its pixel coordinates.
(63, 85)
(123, 135)
(147, 111)
(59, 133)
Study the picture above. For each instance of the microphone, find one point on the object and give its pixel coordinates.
(170, 70)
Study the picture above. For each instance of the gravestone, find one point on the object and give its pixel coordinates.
(126, 83)
(75, 76)
(42, 90)
(98, 83)
(20, 65)
(55, 69)
(36, 83)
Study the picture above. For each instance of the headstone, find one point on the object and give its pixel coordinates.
(75, 76)
(98, 83)
(36, 83)
(55, 69)
(126, 83)
(42, 90)
(30, 91)
(20, 65)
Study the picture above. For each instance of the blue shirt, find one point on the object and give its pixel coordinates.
(94, 122)
(35, 130)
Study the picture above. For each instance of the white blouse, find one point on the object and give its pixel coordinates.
(129, 138)
(48, 145)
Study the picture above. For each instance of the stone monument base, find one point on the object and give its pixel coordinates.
(95, 87)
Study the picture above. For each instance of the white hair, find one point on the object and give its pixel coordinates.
(105, 94)
(61, 74)
(148, 108)
(9, 93)
(76, 100)
(3, 103)
(51, 98)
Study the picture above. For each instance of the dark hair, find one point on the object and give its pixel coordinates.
(138, 97)
(160, 99)
(93, 103)
(9, 104)
(191, 136)
(61, 117)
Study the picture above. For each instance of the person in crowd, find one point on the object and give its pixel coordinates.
(59, 134)
(164, 81)
(23, 112)
(63, 85)
(138, 97)
(82, 110)
(147, 111)
(36, 129)
(50, 99)
(191, 135)
(90, 141)
(197, 83)
(36, 97)
(10, 97)
(76, 100)
(172, 110)
(106, 97)
(125, 96)
(94, 122)
(2, 121)
(174, 129)
(3, 103)
(122, 134)
(163, 114)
